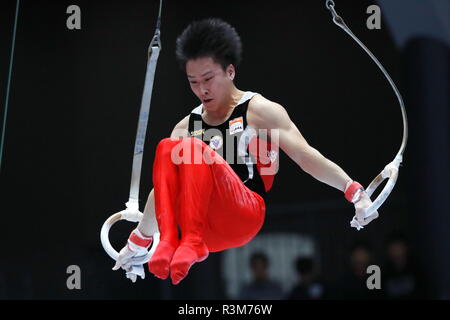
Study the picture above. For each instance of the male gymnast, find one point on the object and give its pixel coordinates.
(211, 177)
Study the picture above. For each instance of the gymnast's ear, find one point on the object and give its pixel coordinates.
(230, 72)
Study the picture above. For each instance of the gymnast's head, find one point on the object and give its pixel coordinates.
(209, 51)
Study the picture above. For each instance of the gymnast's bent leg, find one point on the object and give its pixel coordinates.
(216, 211)
(166, 189)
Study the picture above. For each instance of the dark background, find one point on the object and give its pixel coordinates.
(73, 111)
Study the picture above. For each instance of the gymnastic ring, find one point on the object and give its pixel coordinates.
(391, 172)
(129, 215)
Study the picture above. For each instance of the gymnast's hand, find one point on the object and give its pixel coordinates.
(136, 246)
(361, 204)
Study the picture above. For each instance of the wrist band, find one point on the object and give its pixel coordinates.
(134, 238)
(351, 190)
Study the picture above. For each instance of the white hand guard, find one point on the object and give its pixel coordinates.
(137, 246)
(360, 220)
(355, 193)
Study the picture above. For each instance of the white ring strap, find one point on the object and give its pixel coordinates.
(391, 170)
(132, 212)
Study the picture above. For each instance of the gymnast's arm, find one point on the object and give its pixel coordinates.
(265, 114)
(148, 225)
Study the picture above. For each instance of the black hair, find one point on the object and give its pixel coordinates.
(259, 257)
(396, 237)
(361, 245)
(210, 37)
(304, 265)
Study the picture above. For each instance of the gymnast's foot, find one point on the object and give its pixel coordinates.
(183, 259)
(160, 261)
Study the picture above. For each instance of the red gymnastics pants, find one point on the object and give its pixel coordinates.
(206, 201)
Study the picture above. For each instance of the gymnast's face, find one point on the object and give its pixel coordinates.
(209, 82)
